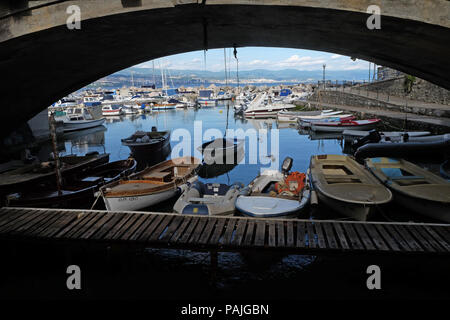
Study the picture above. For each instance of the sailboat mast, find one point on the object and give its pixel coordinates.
(225, 61)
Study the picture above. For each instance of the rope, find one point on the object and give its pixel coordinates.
(98, 196)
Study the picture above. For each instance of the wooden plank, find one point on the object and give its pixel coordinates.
(271, 237)
(229, 231)
(87, 225)
(331, 239)
(260, 235)
(189, 230)
(290, 234)
(376, 238)
(320, 237)
(105, 228)
(148, 220)
(180, 230)
(160, 229)
(312, 242)
(363, 236)
(281, 242)
(97, 226)
(143, 236)
(444, 232)
(218, 230)
(139, 221)
(198, 230)
(301, 231)
(42, 227)
(438, 238)
(409, 239)
(32, 224)
(387, 238)
(23, 219)
(341, 235)
(352, 237)
(398, 238)
(249, 233)
(58, 226)
(172, 228)
(50, 217)
(207, 231)
(239, 234)
(423, 240)
(81, 219)
(16, 214)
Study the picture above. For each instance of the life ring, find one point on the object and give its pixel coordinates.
(292, 184)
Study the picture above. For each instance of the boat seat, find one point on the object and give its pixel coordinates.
(92, 179)
(203, 200)
(407, 178)
(158, 176)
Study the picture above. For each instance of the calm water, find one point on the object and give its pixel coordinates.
(172, 274)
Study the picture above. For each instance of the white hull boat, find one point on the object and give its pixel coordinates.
(350, 135)
(340, 126)
(82, 124)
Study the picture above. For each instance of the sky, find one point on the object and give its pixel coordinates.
(251, 58)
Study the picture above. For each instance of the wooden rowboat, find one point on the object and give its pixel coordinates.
(414, 187)
(345, 186)
(150, 186)
(340, 126)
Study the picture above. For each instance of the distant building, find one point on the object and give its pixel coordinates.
(385, 73)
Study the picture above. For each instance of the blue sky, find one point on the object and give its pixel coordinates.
(259, 58)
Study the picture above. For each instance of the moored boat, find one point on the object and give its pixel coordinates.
(414, 187)
(207, 199)
(275, 194)
(340, 126)
(292, 116)
(150, 186)
(78, 189)
(344, 185)
(143, 143)
(350, 135)
(222, 151)
(111, 110)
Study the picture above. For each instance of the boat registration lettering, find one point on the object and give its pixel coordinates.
(128, 199)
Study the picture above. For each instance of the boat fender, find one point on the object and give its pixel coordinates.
(314, 199)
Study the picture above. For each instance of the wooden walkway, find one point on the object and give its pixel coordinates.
(159, 230)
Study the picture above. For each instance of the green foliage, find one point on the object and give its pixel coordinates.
(408, 83)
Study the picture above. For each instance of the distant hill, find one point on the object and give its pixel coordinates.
(278, 75)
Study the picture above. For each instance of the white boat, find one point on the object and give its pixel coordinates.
(129, 110)
(350, 135)
(80, 117)
(340, 126)
(306, 123)
(211, 199)
(111, 110)
(275, 194)
(293, 116)
(259, 108)
(150, 186)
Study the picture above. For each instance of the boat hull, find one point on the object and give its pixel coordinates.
(330, 128)
(137, 202)
(267, 207)
(83, 124)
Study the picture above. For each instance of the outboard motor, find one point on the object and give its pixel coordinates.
(286, 165)
(373, 137)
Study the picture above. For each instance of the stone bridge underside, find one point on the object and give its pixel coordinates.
(42, 60)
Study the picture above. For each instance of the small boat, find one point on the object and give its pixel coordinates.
(428, 147)
(292, 116)
(414, 187)
(263, 107)
(306, 123)
(79, 118)
(142, 143)
(31, 176)
(211, 199)
(445, 169)
(78, 189)
(151, 185)
(275, 194)
(350, 135)
(222, 151)
(340, 126)
(206, 99)
(111, 110)
(345, 186)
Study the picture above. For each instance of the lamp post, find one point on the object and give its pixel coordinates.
(324, 66)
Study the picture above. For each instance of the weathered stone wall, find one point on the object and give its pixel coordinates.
(421, 90)
(349, 99)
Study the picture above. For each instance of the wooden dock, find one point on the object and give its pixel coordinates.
(162, 230)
